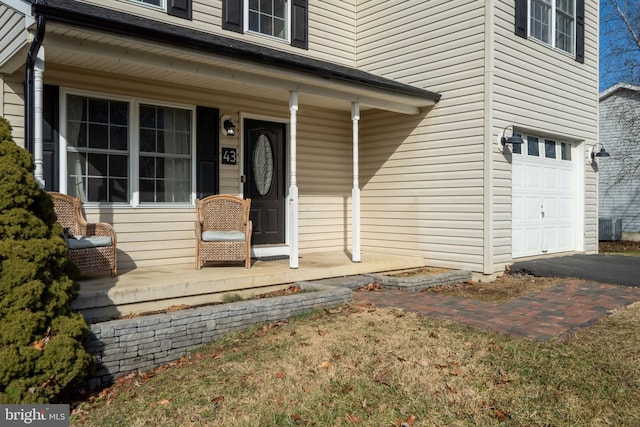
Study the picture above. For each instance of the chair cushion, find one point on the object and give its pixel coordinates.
(223, 236)
(83, 242)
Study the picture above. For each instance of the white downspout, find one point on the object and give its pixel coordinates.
(355, 193)
(293, 183)
(38, 118)
(489, 244)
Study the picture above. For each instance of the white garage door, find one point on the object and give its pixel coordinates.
(543, 204)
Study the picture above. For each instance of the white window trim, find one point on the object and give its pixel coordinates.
(134, 146)
(162, 7)
(287, 40)
(552, 36)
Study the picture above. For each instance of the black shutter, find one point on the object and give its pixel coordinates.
(300, 24)
(180, 8)
(521, 18)
(580, 31)
(207, 143)
(50, 136)
(232, 15)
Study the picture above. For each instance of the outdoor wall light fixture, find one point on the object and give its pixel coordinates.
(594, 153)
(514, 139)
(228, 128)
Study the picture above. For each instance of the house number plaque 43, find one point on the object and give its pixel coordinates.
(229, 156)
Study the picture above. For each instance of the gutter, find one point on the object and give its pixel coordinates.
(99, 18)
(29, 93)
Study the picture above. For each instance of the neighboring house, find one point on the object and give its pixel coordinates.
(619, 175)
(382, 120)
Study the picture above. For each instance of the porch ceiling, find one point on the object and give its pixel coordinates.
(95, 50)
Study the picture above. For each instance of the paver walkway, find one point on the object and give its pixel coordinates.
(556, 312)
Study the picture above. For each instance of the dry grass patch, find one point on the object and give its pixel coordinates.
(620, 247)
(354, 366)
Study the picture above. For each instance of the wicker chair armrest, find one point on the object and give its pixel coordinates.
(98, 229)
(198, 229)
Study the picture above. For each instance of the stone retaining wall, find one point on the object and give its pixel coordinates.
(145, 342)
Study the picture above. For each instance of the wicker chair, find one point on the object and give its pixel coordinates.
(92, 246)
(223, 230)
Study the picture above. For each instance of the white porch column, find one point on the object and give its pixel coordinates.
(293, 184)
(38, 119)
(355, 193)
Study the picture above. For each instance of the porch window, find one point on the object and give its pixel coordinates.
(116, 156)
(97, 149)
(268, 17)
(165, 154)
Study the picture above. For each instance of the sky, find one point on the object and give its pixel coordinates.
(619, 56)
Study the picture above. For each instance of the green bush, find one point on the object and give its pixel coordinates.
(40, 336)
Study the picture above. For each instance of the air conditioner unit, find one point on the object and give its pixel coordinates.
(610, 228)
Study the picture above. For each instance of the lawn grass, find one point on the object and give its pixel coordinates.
(379, 367)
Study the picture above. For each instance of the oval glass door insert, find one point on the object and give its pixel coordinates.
(262, 165)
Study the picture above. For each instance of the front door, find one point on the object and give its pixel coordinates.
(264, 145)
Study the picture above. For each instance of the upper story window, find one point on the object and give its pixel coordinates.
(179, 8)
(159, 3)
(286, 20)
(559, 23)
(553, 22)
(268, 17)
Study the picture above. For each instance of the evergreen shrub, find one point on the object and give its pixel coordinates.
(41, 338)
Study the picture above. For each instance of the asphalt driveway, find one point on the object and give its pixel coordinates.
(613, 269)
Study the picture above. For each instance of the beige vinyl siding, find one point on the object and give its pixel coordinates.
(423, 176)
(325, 177)
(13, 40)
(541, 89)
(13, 105)
(328, 17)
(158, 235)
(150, 236)
(420, 194)
(13, 36)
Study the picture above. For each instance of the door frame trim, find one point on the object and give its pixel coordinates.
(279, 249)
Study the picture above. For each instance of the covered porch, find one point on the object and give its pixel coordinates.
(148, 289)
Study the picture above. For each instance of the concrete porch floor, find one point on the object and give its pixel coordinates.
(149, 289)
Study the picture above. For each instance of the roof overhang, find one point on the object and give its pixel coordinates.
(121, 42)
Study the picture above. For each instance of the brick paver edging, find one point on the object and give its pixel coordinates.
(417, 282)
(143, 343)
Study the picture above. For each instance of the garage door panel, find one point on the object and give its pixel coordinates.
(532, 208)
(566, 181)
(550, 178)
(550, 209)
(533, 177)
(532, 241)
(565, 210)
